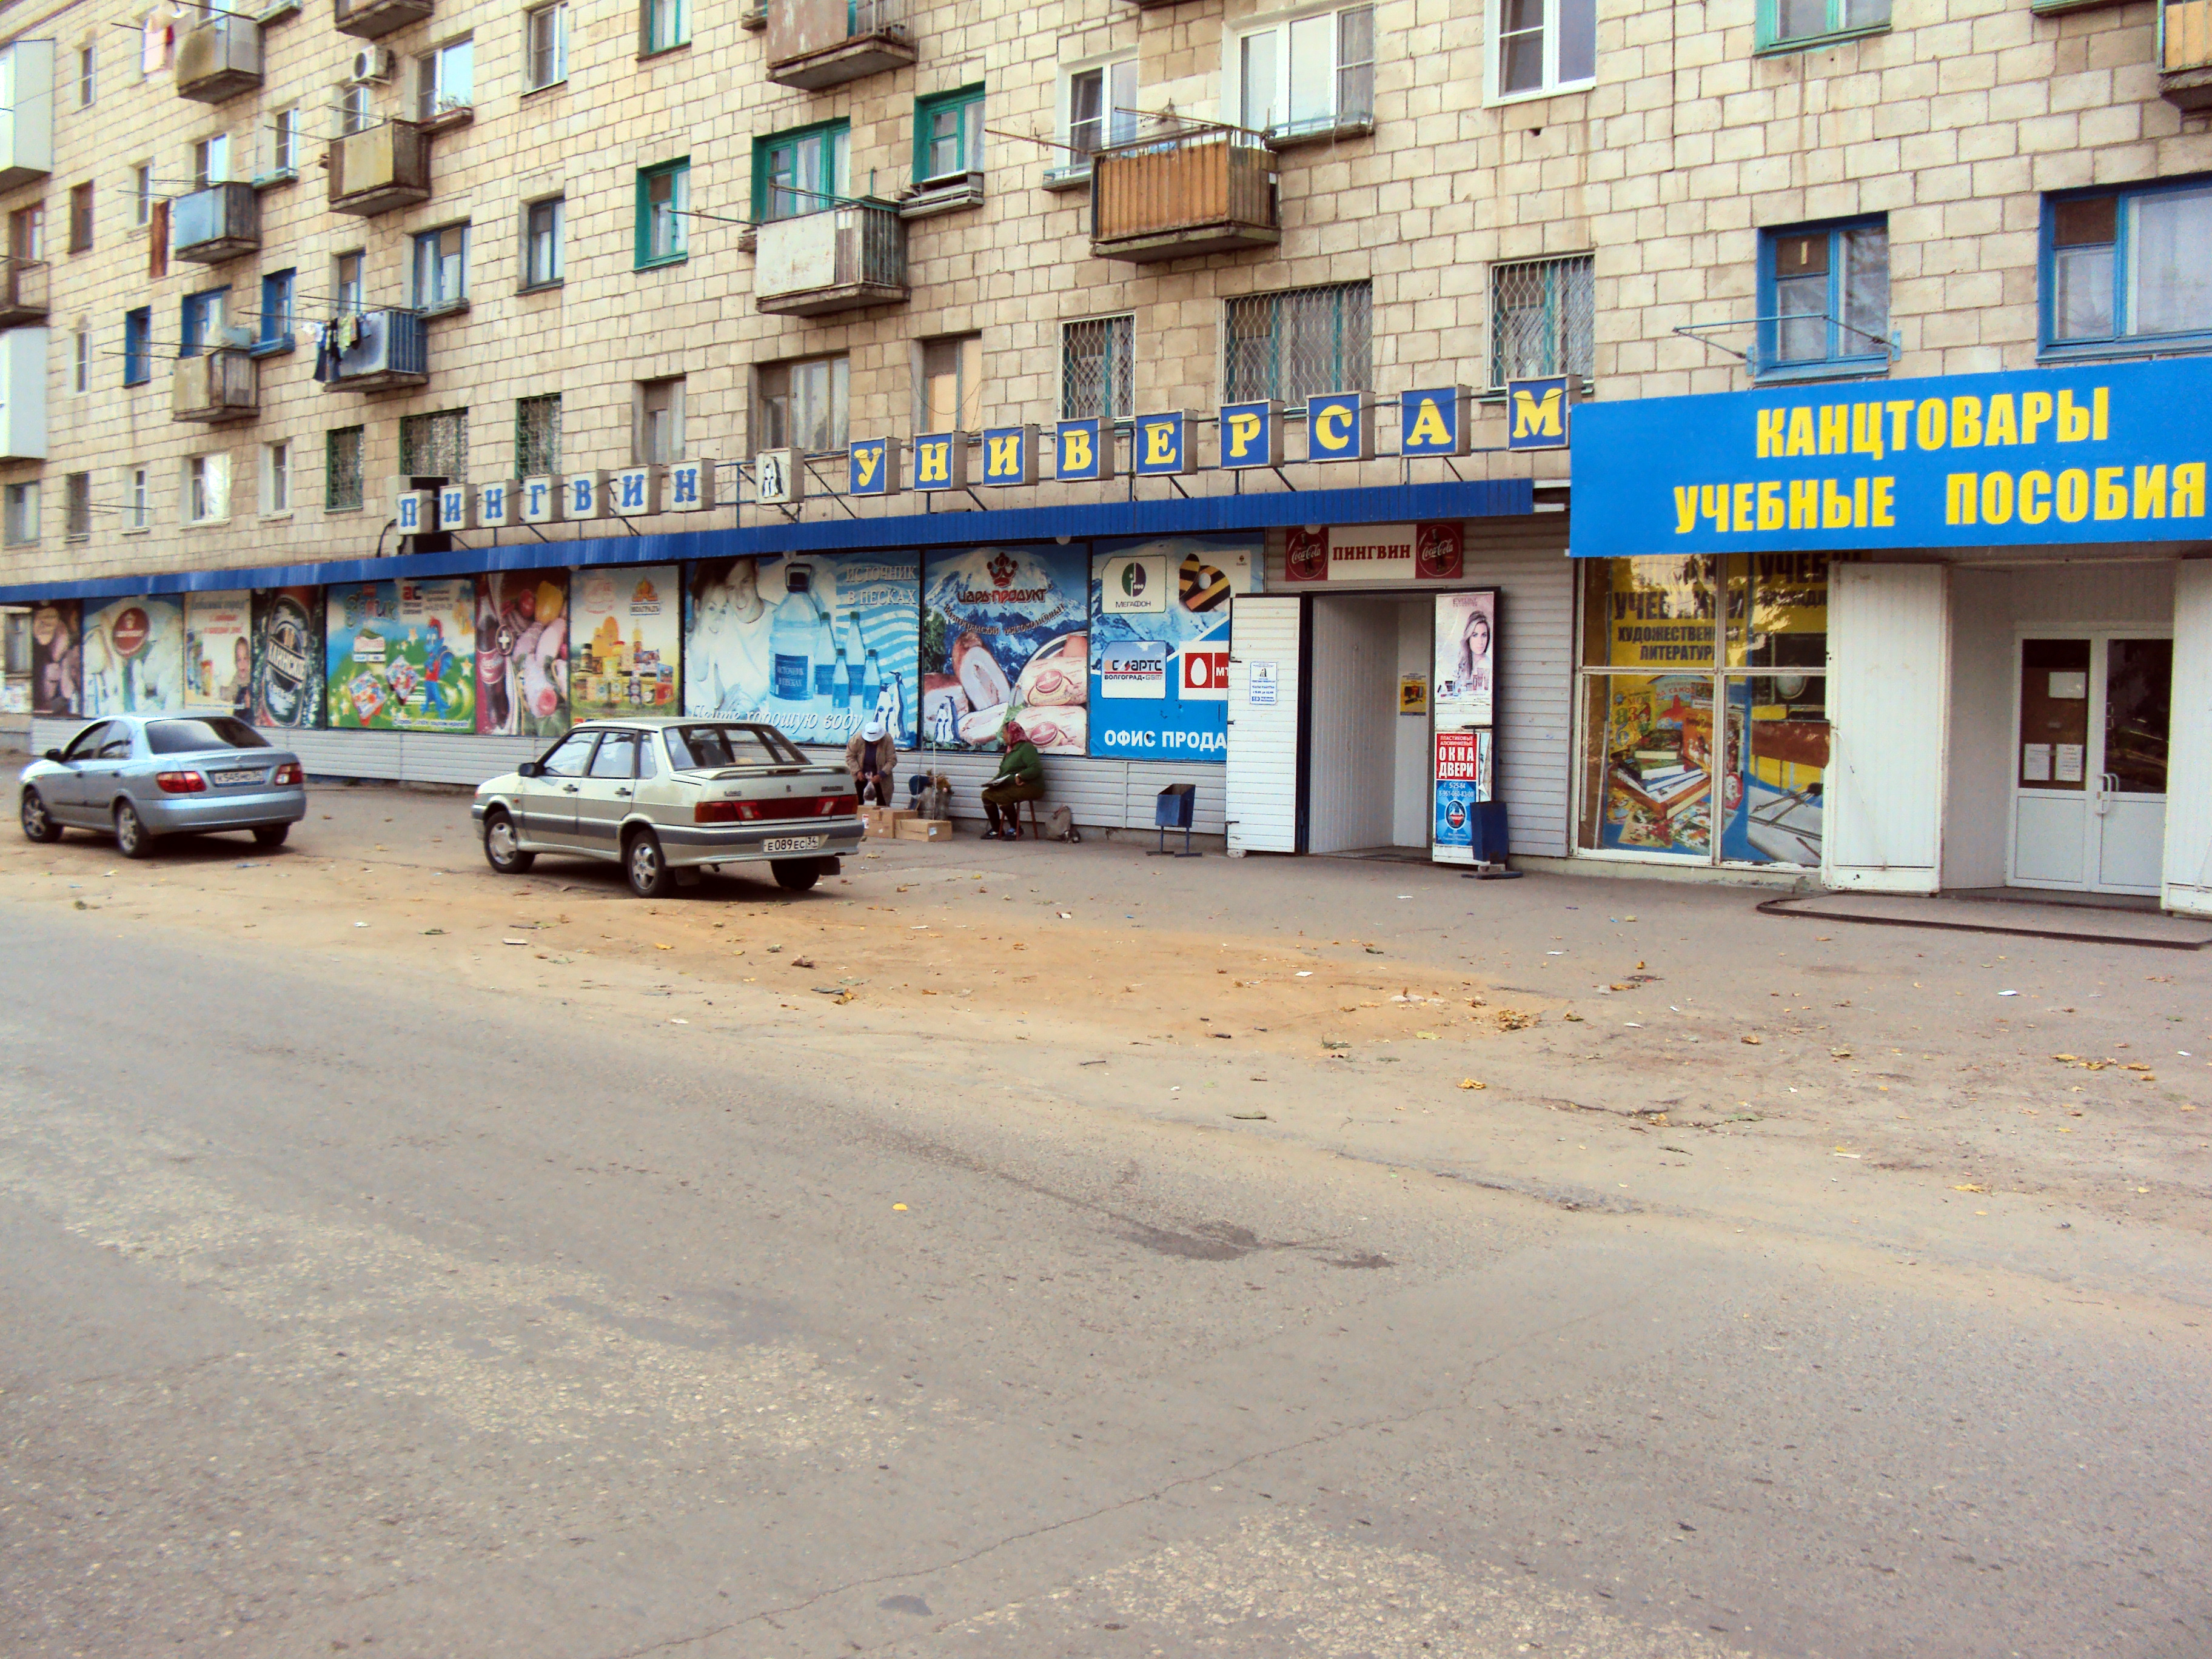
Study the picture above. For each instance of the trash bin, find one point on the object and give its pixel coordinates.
(1175, 808)
(1490, 831)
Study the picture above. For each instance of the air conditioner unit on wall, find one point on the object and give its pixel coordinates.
(372, 66)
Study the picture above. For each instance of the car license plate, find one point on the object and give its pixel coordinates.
(794, 843)
(235, 777)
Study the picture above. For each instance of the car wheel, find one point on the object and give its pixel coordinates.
(38, 823)
(796, 875)
(271, 835)
(647, 868)
(501, 850)
(132, 839)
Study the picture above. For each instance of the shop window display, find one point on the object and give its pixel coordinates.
(1704, 722)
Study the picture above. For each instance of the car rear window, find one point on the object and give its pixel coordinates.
(707, 746)
(190, 737)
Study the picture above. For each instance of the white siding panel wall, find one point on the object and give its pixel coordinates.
(1889, 654)
(1102, 794)
(2189, 778)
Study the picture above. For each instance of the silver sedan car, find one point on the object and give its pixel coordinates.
(666, 796)
(139, 777)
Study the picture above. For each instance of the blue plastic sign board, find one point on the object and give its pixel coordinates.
(1536, 413)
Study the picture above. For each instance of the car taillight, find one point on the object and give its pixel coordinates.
(287, 772)
(724, 811)
(180, 783)
(837, 806)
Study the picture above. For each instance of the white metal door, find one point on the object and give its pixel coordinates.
(1263, 726)
(1889, 648)
(2090, 761)
(2135, 682)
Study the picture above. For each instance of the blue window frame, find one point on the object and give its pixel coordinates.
(202, 320)
(276, 312)
(2125, 271)
(1823, 300)
(1794, 25)
(138, 346)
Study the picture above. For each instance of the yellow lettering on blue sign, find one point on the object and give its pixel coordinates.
(1428, 426)
(1538, 418)
(865, 461)
(1076, 454)
(932, 463)
(1244, 432)
(1160, 443)
(1333, 427)
(1003, 457)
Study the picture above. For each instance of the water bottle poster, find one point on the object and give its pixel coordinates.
(134, 657)
(625, 638)
(288, 657)
(813, 644)
(1159, 660)
(1006, 634)
(522, 653)
(400, 656)
(219, 652)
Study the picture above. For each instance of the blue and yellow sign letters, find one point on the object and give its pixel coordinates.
(1536, 413)
(940, 461)
(1085, 451)
(1433, 422)
(872, 467)
(1010, 455)
(1163, 445)
(1339, 426)
(1251, 435)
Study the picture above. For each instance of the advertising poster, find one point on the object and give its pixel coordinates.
(812, 644)
(1006, 634)
(625, 631)
(1159, 678)
(57, 661)
(522, 653)
(134, 657)
(1659, 762)
(1462, 782)
(288, 657)
(219, 652)
(1466, 658)
(399, 656)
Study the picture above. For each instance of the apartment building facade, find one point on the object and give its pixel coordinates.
(578, 330)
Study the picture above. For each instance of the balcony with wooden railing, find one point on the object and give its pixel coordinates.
(371, 20)
(2185, 54)
(222, 383)
(1207, 190)
(385, 167)
(813, 44)
(22, 292)
(841, 258)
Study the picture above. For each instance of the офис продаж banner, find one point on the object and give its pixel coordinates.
(1159, 646)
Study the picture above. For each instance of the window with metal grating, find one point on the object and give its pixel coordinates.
(538, 437)
(1295, 344)
(1098, 364)
(434, 446)
(342, 451)
(1542, 318)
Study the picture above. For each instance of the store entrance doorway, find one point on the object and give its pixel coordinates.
(1368, 761)
(2090, 761)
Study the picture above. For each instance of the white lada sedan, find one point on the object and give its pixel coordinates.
(660, 795)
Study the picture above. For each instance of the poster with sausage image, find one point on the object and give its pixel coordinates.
(1005, 634)
(56, 661)
(522, 653)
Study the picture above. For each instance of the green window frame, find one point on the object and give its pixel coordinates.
(664, 197)
(1795, 25)
(948, 134)
(802, 170)
(663, 26)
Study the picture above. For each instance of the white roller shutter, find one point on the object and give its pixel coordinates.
(1889, 651)
(1263, 736)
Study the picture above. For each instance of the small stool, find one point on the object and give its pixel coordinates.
(1015, 817)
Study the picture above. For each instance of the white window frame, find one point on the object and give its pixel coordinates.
(658, 403)
(211, 160)
(1232, 66)
(558, 12)
(142, 195)
(435, 94)
(141, 507)
(1104, 67)
(282, 130)
(207, 489)
(1493, 41)
(357, 109)
(87, 75)
(81, 362)
(434, 266)
(276, 479)
(532, 279)
(19, 514)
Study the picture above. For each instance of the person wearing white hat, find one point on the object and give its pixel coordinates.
(873, 757)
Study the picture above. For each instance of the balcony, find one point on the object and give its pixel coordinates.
(219, 58)
(218, 223)
(26, 111)
(813, 44)
(387, 166)
(2185, 54)
(221, 384)
(839, 259)
(371, 20)
(22, 292)
(23, 394)
(389, 351)
(1181, 194)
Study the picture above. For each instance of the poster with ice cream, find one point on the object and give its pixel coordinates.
(219, 652)
(134, 657)
(1159, 645)
(399, 656)
(625, 638)
(1005, 633)
(522, 653)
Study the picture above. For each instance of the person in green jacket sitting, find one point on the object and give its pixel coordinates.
(1020, 777)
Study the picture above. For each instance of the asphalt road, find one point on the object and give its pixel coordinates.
(393, 1317)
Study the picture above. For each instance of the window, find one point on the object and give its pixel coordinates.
(1789, 23)
(657, 434)
(1102, 105)
(212, 161)
(204, 317)
(802, 404)
(18, 524)
(346, 281)
(1308, 76)
(547, 63)
(27, 233)
(157, 40)
(81, 218)
(664, 201)
(281, 145)
(948, 135)
(541, 242)
(1295, 345)
(196, 737)
(1543, 319)
(434, 446)
(568, 757)
(17, 632)
(441, 268)
(616, 756)
(207, 489)
(662, 25)
(342, 457)
(138, 511)
(2128, 266)
(276, 477)
(1097, 366)
(276, 290)
(1824, 297)
(142, 194)
(1543, 46)
(357, 110)
(446, 79)
(951, 390)
(88, 84)
(78, 527)
(802, 170)
(80, 361)
(538, 437)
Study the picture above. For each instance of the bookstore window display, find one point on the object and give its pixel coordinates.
(1667, 643)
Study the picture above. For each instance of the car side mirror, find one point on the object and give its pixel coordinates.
(529, 770)
(53, 754)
